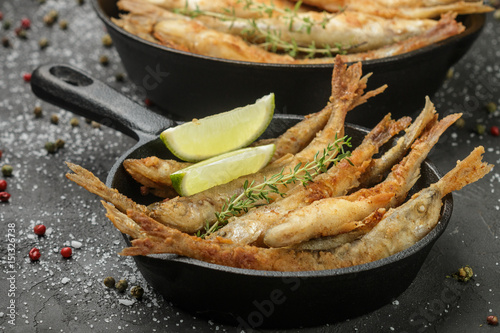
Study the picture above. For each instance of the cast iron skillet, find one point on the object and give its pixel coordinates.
(243, 297)
(190, 86)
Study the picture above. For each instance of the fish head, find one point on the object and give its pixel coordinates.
(424, 211)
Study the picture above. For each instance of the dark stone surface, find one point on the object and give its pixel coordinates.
(55, 294)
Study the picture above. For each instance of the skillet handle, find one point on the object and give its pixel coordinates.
(76, 91)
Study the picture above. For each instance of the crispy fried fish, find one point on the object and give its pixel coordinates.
(332, 216)
(402, 8)
(396, 230)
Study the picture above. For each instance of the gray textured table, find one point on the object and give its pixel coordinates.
(59, 295)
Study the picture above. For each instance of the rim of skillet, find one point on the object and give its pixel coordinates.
(477, 22)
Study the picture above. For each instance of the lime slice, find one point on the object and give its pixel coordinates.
(221, 169)
(213, 135)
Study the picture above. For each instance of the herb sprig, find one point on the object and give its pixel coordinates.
(256, 194)
(272, 39)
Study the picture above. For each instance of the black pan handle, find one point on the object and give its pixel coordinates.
(72, 89)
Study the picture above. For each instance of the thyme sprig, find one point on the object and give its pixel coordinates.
(272, 39)
(255, 194)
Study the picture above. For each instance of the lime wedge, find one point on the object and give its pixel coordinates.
(221, 169)
(217, 134)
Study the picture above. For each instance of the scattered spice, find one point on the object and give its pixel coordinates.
(480, 129)
(25, 23)
(6, 25)
(95, 124)
(66, 252)
(137, 292)
(109, 282)
(1, 16)
(37, 111)
(492, 320)
(491, 107)
(104, 60)
(21, 33)
(106, 40)
(3, 185)
(1, 153)
(50, 147)
(63, 24)
(4, 196)
(449, 73)
(7, 170)
(43, 43)
(120, 77)
(74, 122)
(460, 123)
(121, 285)
(39, 229)
(5, 42)
(60, 143)
(27, 77)
(148, 102)
(80, 2)
(494, 131)
(50, 18)
(54, 119)
(35, 254)
(464, 274)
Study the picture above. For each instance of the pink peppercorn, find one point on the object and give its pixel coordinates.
(35, 254)
(4, 196)
(66, 252)
(494, 131)
(25, 23)
(39, 229)
(3, 185)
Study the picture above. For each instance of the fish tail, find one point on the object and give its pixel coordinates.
(465, 172)
(91, 183)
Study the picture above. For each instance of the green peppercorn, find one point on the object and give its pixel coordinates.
(22, 34)
(5, 42)
(121, 285)
(43, 43)
(464, 274)
(51, 17)
(80, 2)
(7, 170)
(63, 24)
(480, 129)
(54, 119)
(109, 282)
(104, 60)
(6, 25)
(106, 40)
(74, 122)
(41, 2)
(137, 292)
(460, 123)
(37, 111)
(120, 77)
(491, 107)
(60, 143)
(50, 147)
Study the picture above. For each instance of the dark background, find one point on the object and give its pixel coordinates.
(61, 295)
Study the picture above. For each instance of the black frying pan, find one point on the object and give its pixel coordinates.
(193, 86)
(246, 298)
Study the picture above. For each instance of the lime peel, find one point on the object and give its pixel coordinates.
(221, 169)
(220, 133)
